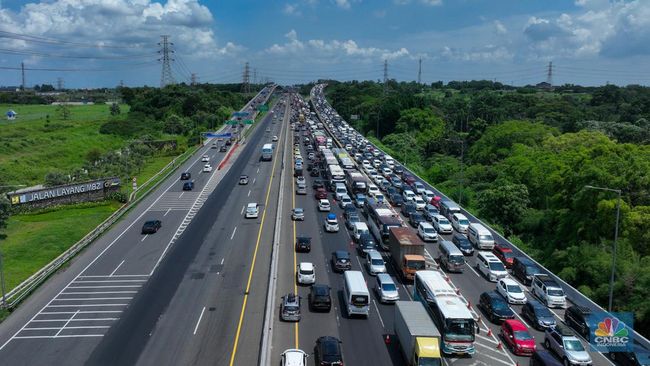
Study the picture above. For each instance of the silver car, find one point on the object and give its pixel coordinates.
(566, 345)
(290, 308)
(375, 262)
(386, 288)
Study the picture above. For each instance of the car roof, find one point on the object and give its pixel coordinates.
(342, 254)
(252, 204)
(373, 253)
(460, 216)
(294, 357)
(426, 225)
(385, 277)
(331, 216)
(306, 265)
(508, 281)
(515, 324)
(323, 200)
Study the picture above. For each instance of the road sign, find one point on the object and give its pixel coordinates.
(263, 108)
(249, 121)
(240, 114)
(217, 135)
(232, 122)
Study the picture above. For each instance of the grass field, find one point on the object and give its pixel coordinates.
(30, 147)
(34, 240)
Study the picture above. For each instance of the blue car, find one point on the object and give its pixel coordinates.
(359, 200)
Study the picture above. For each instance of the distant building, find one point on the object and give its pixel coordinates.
(544, 86)
(11, 114)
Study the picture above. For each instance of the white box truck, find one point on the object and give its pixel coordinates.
(418, 337)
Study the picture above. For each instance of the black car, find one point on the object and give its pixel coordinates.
(351, 218)
(538, 315)
(415, 218)
(314, 173)
(524, 269)
(319, 298)
(408, 208)
(495, 307)
(328, 352)
(398, 169)
(151, 226)
(303, 244)
(350, 210)
(365, 243)
(544, 358)
(461, 241)
(579, 318)
(341, 261)
(391, 191)
(186, 175)
(188, 186)
(638, 357)
(228, 142)
(317, 184)
(223, 148)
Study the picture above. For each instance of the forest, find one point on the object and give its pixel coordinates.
(521, 158)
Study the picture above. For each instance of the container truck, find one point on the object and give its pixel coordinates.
(418, 336)
(407, 251)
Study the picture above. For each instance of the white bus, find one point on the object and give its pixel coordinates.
(335, 174)
(380, 219)
(329, 157)
(356, 293)
(267, 152)
(448, 311)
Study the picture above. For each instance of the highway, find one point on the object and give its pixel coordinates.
(123, 282)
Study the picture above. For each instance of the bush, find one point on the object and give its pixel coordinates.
(118, 196)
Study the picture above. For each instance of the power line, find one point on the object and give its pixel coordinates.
(245, 86)
(47, 40)
(121, 68)
(54, 55)
(166, 76)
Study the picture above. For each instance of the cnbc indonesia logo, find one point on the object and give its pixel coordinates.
(611, 333)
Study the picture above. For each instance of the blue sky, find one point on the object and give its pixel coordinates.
(590, 42)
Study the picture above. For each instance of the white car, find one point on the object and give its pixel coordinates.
(428, 195)
(459, 222)
(366, 165)
(323, 205)
(427, 232)
(294, 357)
(207, 168)
(301, 180)
(311, 156)
(511, 291)
(442, 225)
(205, 158)
(252, 210)
(408, 195)
(345, 200)
(419, 203)
(331, 223)
(419, 187)
(375, 263)
(305, 273)
(386, 172)
(373, 190)
(274, 139)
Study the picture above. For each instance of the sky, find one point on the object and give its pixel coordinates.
(102, 43)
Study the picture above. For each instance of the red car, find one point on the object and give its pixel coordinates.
(320, 194)
(516, 336)
(505, 254)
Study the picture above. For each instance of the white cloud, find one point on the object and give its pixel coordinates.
(343, 4)
(431, 2)
(500, 28)
(291, 9)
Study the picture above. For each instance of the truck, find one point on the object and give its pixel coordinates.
(355, 182)
(407, 251)
(418, 337)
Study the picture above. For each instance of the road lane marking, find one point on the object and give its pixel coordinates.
(249, 193)
(222, 259)
(233, 233)
(242, 209)
(75, 320)
(80, 312)
(199, 321)
(61, 336)
(295, 255)
(169, 209)
(94, 298)
(254, 179)
(98, 292)
(116, 268)
(258, 170)
(378, 313)
(79, 327)
(182, 193)
(66, 323)
(111, 286)
(144, 237)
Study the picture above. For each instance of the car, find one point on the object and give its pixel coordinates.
(490, 266)
(214, 145)
(345, 201)
(298, 214)
(495, 307)
(524, 268)
(320, 194)
(415, 218)
(300, 180)
(228, 142)
(459, 222)
(351, 219)
(303, 244)
(463, 243)
(341, 261)
(223, 148)
(186, 175)
(327, 352)
(504, 253)
(301, 189)
(396, 199)
(547, 290)
(418, 187)
(408, 195)
(323, 205)
(563, 342)
(408, 208)
(305, 273)
(442, 225)
(293, 357)
(365, 243)
(538, 315)
(511, 291)
(637, 357)
(317, 184)
(427, 232)
(419, 203)
(397, 183)
(290, 308)
(205, 158)
(428, 195)
(331, 223)
(386, 288)
(243, 179)
(314, 173)
(188, 186)
(268, 130)
(252, 210)
(151, 226)
(311, 156)
(375, 262)
(580, 318)
(430, 211)
(516, 336)
(274, 138)
(207, 168)
(373, 190)
(319, 298)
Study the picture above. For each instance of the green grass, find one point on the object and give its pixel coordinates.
(34, 240)
(30, 147)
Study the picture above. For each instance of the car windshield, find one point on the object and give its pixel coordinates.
(555, 292)
(463, 222)
(377, 262)
(291, 308)
(573, 345)
(497, 266)
(514, 289)
(523, 335)
(443, 222)
(298, 210)
(457, 259)
(389, 287)
(508, 254)
(485, 237)
(499, 304)
(428, 230)
(306, 271)
(543, 312)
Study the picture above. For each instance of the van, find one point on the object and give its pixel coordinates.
(448, 208)
(547, 290)
(451, 258)
(357, 296)
(480, 236)
(524, 269)
(359, 229)
(490, 266)
(340, 190)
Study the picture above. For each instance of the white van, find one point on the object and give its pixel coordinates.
(340, 190)
(359, 229)
(490, 266)
(480, 236)
(357, 296)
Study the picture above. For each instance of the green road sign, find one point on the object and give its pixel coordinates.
(248, 121)
(232, 122)
(263, 108)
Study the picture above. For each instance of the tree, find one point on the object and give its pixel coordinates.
(115, 109)
(93, 155)
(55, 179)
(505, 204)
(4, 214)
(64, 111)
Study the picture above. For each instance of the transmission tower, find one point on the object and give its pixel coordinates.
(385, 74)
(193, 79)
(254, 76)
(22, 71)
(59, 83)
(166, 76)
(549, 75)
(420, 71)
(246, 76)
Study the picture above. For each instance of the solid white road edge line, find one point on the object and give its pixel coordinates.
(198, 321)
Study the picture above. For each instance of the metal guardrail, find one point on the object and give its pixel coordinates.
(573, 294)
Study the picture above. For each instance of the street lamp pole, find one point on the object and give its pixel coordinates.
(618, 215)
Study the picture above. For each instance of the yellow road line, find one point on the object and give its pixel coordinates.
(250, 274)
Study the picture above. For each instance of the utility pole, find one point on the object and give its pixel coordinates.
(420, 71)
(59, 83)
(166, 77)
(246, 76)
(385, 74)
(121, 83)
(193, 79)
(549, 75)
(254, 76)
(22, 70)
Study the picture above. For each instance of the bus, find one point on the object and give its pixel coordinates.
(448, 311)
(357, 296)
(329, 158)
(347, 163)
(335, 174)
(267, 152)
(380, 219)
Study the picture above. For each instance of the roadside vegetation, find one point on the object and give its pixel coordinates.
(520, 159)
